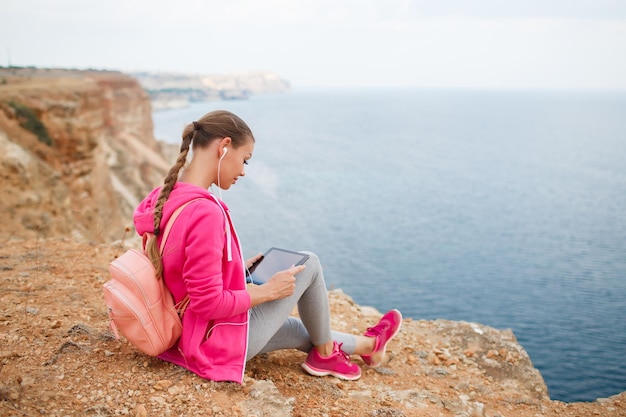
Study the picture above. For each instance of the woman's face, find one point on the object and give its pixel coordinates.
(233, 164)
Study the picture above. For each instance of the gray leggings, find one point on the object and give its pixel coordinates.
(271, 327)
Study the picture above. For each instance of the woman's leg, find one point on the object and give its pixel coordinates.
(270, 321)
(293, 335)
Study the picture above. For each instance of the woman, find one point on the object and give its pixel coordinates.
(227, 322)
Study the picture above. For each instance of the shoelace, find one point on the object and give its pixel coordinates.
(346, 357)
(377, 330)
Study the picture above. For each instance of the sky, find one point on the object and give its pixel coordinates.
(475, 44)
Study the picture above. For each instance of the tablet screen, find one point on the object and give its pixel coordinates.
(275, 260)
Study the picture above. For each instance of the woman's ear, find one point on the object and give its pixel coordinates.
(223, 147)
(225, 142)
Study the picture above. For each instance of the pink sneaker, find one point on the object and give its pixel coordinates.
(337, 364)
(388, 326)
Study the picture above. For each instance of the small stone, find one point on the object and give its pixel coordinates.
(384, 370)
(157, 399)
(477, 410)
(26, 381)
(432, 359)
(175, 390)
(141, 411)
(451, 362)
(162, 384)
(493, 354)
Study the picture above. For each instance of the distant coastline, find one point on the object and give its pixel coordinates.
(175, 90)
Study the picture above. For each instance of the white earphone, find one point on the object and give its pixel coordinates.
(219, 163)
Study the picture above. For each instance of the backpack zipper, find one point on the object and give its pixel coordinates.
(122, 297)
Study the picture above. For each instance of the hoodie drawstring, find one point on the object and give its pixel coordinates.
(229, 249)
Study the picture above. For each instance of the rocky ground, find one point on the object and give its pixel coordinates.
(58, 358)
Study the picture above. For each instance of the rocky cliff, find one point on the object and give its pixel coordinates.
(76, 152)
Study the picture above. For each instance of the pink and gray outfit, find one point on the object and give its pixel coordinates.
(203, 258)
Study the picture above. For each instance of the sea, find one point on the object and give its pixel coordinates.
(506, 208)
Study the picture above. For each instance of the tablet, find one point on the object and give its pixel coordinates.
(274, 260)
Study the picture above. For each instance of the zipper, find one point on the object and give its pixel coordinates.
(126, 301)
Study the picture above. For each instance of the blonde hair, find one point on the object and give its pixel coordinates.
(212, 126)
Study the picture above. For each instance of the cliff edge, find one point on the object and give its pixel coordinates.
(59, 358)
(76, 153)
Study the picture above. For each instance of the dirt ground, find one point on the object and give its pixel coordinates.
(58, 358)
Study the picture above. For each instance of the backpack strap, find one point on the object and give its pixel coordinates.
(182, 304)
(168, 227)
(170, 223)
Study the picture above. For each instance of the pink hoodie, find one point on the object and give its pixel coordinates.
(202, 257)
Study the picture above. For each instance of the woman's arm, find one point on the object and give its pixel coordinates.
(215, 286)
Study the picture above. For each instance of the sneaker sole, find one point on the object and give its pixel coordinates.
(375, 364)
(323, 372)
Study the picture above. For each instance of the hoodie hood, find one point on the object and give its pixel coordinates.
(143, 216)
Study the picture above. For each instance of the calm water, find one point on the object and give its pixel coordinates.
(495, 207)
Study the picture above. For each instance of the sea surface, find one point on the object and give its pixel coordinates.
(503, 208)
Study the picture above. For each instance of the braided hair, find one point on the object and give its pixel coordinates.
(212, 126)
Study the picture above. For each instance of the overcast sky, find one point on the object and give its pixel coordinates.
(512, 44)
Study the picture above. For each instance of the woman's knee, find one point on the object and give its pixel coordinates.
(313, 263)
(313, 275)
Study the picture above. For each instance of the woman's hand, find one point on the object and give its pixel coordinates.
(252, 260)
(281, 285)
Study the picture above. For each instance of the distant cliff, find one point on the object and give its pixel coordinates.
(77, 151)
(170, 90)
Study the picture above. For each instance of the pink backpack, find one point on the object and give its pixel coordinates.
(140, 305)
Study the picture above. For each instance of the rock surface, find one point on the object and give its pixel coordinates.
(84, 176)
(58, 358)
(68, 189)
